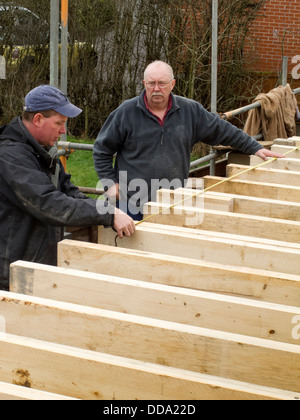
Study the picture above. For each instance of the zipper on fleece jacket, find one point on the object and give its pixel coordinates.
(162, 136)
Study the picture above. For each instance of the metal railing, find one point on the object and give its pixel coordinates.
(227, 116)
(242, 110)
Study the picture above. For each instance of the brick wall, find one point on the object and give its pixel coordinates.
(276, 34)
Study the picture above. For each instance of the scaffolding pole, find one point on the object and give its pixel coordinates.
(64, 55)
(54, 40)
(214, 70)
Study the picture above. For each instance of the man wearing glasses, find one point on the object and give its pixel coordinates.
(152, 136)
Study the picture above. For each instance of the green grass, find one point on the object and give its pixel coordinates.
(80, 165)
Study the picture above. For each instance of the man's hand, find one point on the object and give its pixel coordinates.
(123, 225)
(265, 153)
(113, 193)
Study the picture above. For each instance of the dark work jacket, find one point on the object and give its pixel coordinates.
(33, 210)
(148, 151)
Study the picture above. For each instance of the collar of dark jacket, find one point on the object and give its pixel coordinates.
(141, 103)
(16, 132)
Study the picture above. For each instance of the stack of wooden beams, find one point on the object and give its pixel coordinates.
(203, 302)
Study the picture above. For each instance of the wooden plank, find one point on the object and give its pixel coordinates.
(129, 335)
(156, 238)
(203, 309)
(222, 236)
(263, 174)
(12, 392)
(243, 224)
(262, 190)
(218, 234)
(157, 268)
(293, 154)
(291, 141)
(187, 197)
(238, 203)
(90, 375)
(287, 163)
(296, 140)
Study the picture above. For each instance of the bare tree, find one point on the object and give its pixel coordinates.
(111, 42)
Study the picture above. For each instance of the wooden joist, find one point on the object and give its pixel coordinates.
(243, 224)
(173, 304)
(231, 202)
(12, 392)
(188, 197)
(287, 163)
(260, 284)
(254, 189)
(291, 141)
(89, 375)
(264, 174)
(176, 345)
(169, 240)
(292, 154)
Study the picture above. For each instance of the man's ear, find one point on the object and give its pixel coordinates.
(38, 119)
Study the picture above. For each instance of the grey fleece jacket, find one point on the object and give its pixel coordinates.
(146, 150)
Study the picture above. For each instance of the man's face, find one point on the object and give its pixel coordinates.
(158, 84)
(49, 130)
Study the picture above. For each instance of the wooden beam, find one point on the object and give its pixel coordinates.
(254, 189)
(287, 163)
(296, 140)
(180, 346)
(173, 304)
(11, 392)
(221, 236)
(157, 268)
(264, 174)
(236, 203)
(161, 239)
(243, 224)
(291, 141)
(187, 197)
(90, 375)
(294, 154)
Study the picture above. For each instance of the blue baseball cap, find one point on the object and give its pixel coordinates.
(45, 98)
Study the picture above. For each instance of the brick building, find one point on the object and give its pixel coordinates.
(277, 34)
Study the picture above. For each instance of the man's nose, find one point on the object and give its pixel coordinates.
(63, 129)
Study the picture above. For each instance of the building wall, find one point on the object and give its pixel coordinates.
(277, 34)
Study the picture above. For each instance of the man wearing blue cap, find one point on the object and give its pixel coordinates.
(37, 198)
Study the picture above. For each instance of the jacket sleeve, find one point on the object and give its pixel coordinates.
(30, 189)
(218, 131)
(108, 141)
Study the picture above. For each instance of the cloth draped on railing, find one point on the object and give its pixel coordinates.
(276, 117)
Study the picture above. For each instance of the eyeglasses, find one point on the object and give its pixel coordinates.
(161, 85)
